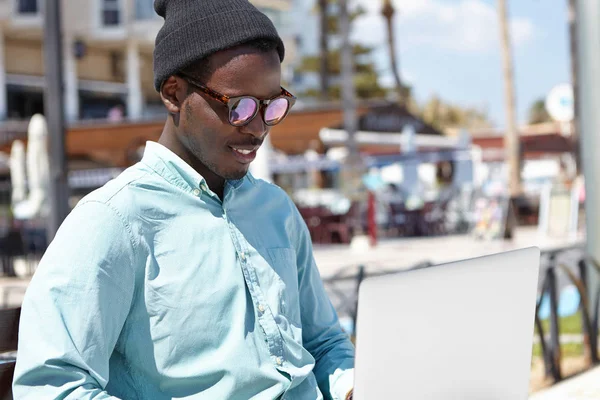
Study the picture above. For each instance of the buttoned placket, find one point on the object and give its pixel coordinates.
(265, 315)
(203, 190)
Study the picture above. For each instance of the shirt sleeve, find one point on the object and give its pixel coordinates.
(75, 308)
(322, 334)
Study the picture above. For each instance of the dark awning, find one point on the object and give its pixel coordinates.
(393, 118)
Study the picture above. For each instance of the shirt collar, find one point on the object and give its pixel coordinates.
(171, 167)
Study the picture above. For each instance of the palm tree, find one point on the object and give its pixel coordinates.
(354, 167)
(538, 113)
(324, 49)
(347, 75)
(511, 140)
(388, 13)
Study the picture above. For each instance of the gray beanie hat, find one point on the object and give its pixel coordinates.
(195, 29)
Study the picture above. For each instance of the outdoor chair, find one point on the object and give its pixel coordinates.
(312, 218)
(343, 226)
(335, 226)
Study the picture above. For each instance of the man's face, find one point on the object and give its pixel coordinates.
(204, 130)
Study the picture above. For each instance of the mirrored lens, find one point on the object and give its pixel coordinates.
(242, 111)
(276, 111)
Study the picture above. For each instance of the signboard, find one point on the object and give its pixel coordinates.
(559, 211)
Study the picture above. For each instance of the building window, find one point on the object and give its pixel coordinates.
(144, 9)
(27, 6)
(23, 102)
(111, 12)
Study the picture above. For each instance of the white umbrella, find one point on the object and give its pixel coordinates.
(17, 172)
(37, 171)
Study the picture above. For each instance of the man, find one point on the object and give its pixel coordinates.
(185, 277)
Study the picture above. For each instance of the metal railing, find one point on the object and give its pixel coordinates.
(577, 275)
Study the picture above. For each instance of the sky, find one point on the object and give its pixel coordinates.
(451, 48)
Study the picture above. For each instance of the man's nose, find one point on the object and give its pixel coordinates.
(256, 127)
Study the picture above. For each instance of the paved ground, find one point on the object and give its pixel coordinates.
(583, 387)
(398, 254)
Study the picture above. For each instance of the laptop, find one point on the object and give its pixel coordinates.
(459, 331)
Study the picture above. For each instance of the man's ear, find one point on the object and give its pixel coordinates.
(173, 94)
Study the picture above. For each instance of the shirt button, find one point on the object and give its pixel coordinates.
(279, 360)
(196, 192)
(243, 256)
(261, 308)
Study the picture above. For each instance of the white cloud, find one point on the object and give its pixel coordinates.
(464, 26)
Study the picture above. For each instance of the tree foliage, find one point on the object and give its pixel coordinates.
(366, 77)
(442, 115)
(538, 113)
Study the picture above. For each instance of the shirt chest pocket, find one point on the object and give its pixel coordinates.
(283, 262)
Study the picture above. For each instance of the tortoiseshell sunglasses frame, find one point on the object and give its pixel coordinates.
(229, 102)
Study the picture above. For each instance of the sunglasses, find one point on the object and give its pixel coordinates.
(243, 109)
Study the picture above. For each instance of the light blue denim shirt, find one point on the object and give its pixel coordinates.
(155, 289)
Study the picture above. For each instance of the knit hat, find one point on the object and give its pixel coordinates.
(195, 29)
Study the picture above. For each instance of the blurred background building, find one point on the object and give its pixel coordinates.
(107, 58)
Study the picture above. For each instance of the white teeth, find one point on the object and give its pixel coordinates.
(243, 151)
